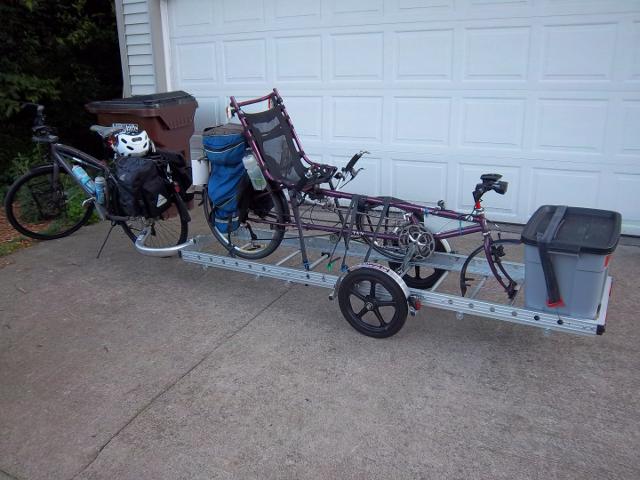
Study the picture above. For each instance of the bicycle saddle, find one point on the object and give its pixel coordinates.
(105, 132)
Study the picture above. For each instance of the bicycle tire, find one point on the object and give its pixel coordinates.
(382, 247)
(56, 200)
(464, 286)
(278, 214)
(166, 232)
(415, 280)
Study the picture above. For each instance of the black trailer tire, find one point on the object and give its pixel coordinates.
(383, 292)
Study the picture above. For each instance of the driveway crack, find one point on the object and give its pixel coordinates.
(8, 475)
(172, 384)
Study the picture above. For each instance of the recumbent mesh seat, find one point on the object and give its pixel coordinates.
(274, 139)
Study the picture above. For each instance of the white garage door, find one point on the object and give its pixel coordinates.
(546, 92)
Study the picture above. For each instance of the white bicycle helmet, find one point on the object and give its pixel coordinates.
(132, 144)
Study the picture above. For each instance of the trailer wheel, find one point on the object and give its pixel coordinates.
(373, 301)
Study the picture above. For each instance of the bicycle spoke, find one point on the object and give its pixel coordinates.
(372, 290)
(357, 293)
(380, 318)
(361, 313)
(386, 303)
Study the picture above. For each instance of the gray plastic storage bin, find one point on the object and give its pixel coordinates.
(579, 242)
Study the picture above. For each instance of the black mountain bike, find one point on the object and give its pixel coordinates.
(50, 202)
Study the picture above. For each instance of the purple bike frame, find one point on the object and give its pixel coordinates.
(477, 218)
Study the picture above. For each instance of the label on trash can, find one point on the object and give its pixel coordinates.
(128, 127)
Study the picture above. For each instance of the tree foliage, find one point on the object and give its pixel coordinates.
(61, 53)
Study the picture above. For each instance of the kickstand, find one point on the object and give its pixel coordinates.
(105, 240)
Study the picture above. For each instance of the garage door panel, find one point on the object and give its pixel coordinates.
(492, 122)
(243, 11)
(496, 53)
(192, 16)
(571, 125)
(563, 187)
(207, 114)
(625, 198)
(564, 7)
(564, 55)
(543, 91)
(419, 181)
(342, 7)
(630, 129)
(422, 120)
(357, 56)
(245, 61)
(307, 112)
(298, 58)
(196, 62)
(357, 118)
(299, 9)
(425, 55)
(634, 51)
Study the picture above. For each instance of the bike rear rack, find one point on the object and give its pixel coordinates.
(193, 252)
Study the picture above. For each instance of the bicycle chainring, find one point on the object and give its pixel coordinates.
(417, 235)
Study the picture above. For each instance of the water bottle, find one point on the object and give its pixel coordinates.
(255, 173)
(84, 178)
(101, 185)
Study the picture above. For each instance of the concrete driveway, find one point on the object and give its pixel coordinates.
(129, 367)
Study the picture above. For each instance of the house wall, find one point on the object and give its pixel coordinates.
(136, 44)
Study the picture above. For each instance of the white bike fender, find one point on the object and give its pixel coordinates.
(386, 270)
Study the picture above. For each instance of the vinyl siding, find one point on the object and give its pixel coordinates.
(139, 51)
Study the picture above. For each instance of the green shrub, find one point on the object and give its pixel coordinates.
(62, 54)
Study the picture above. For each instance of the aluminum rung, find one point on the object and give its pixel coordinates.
(288, 257)
(323, 257)
(439, 281)
(519, 288)
(477, 288)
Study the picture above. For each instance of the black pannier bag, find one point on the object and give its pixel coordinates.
(142, 188)
(179, 172)
(258, 202)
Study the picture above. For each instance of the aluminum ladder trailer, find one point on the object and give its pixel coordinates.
(192, 251)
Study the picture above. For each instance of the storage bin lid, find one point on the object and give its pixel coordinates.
(137, 102)
(582, 230)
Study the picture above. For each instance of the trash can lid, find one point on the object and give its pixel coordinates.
(155, 100)
(583, 230)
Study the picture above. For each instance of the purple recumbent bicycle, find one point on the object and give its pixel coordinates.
(304, 196)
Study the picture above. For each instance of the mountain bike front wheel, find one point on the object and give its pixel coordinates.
(45, 208)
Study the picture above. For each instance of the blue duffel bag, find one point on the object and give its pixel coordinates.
(225, 146)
